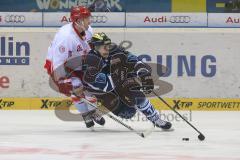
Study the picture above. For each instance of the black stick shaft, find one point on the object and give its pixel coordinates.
(115, 119)
(177, 112)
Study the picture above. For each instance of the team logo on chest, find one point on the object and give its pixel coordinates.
(62, 49)
(79, 48)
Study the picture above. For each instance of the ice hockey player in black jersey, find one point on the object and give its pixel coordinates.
(119, 80)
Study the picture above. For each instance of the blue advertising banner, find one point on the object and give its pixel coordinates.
(60, 5)
(213, 6)
(148, 6)
(223, 6)
(94, 5)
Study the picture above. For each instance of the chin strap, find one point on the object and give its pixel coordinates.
(81, 35)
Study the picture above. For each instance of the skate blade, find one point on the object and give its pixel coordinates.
(91, 129)
(168, 130)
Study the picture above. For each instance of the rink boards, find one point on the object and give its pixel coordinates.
(185, 104)
(203, 66)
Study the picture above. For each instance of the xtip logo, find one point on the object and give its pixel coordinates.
(6, 104)
(46, 103)
(8, 47)
(181, 104)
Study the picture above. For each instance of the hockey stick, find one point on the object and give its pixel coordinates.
(200, 136)
(141, 134)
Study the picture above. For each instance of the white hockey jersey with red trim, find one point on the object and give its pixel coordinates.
(66, 44)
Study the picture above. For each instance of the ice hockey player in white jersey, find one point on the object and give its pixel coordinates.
(70, 41)
(122, 79)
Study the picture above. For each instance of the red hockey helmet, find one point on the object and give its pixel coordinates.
(79, 12)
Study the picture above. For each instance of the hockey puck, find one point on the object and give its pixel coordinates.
(201, 137)
(185, 139)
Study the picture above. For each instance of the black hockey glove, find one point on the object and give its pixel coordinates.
(146, 79)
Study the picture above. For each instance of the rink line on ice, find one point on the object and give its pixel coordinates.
(89, 152)
(195, 104)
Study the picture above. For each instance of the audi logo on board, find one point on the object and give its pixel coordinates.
(180, 19)
(166, 19)
(15, 18)
(99, 19)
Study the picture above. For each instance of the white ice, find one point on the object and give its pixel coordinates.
(40, 135)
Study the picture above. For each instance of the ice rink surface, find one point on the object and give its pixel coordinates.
(40, 135)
